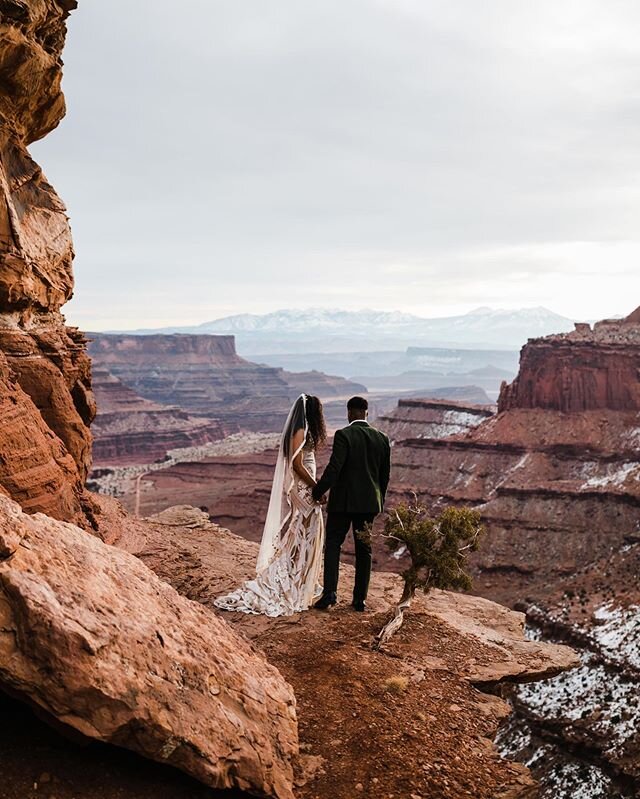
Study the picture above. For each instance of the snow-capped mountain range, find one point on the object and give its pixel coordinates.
(327, 330)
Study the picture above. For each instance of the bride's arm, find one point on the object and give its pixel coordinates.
(298, 466)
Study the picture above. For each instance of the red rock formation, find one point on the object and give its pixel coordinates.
(428, 418)
(90, 635)
(131, 430)
(204, 375)
(35, 468)
(46, 359)
(581, 371)
(557, 485)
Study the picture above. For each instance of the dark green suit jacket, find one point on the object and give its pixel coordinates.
(358, 472)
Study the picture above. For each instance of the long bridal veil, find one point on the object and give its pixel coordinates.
(280, 505)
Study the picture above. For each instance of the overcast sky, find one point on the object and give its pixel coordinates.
(432, 157)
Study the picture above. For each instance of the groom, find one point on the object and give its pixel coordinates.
(358, 476)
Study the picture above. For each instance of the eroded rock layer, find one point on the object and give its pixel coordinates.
(429, 418)
(586, 370)
(92, 637)
(556, 475)
(594, 710)
(46, 359)
(131, 430)
(205, 376)
(558, 487)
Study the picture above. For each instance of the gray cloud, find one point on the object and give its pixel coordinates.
(390, 153)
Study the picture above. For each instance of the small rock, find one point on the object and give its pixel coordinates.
(359, 786)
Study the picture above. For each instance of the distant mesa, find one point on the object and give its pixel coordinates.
(203, 375)
(634, 318)
(587, 369)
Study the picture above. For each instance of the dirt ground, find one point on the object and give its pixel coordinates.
(406, 723)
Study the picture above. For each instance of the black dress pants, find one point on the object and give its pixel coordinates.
(338, 525)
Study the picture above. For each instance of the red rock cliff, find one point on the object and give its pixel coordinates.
(204, 375)
(580, 371)
(45, 371)
(555, 473)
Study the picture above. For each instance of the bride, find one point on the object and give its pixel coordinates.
(290, 558)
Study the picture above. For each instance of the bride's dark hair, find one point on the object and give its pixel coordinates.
(308, 407)
(315, 420)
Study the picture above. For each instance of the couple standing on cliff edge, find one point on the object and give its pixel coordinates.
(289, 562)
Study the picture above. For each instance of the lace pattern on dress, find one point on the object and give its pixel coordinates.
(290, 583)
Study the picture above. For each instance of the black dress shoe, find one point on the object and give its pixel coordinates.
(325, 602)
(359, 607)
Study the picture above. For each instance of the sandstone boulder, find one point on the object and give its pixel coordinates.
(91, 636)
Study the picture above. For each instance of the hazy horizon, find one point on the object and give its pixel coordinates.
(373, 311)
(371, 154)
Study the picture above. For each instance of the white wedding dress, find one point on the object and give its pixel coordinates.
(290, 561)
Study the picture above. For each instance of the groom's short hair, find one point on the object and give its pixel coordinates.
(357, 404)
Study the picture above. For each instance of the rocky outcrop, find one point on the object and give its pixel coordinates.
(557, 488)
(42, 357)
(585, 370)
(35, 467)
(554, 494)
(204, 375)
(102, 645)
(131, 430)
(425, 418)
(418, 706)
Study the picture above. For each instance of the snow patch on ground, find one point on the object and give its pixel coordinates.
(561, 776)
(573, 780)
(594, 697)
(453, 423)
(634, 437)
(617, 634)
(615, 475)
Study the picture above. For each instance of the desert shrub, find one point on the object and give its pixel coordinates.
(397, 684)
(438, 549)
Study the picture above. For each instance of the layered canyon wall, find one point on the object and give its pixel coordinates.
(46, 404)
(205, 376)
(431, 418)
(129, 429)
(585, 370)
(556, 476)
(556, 473)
